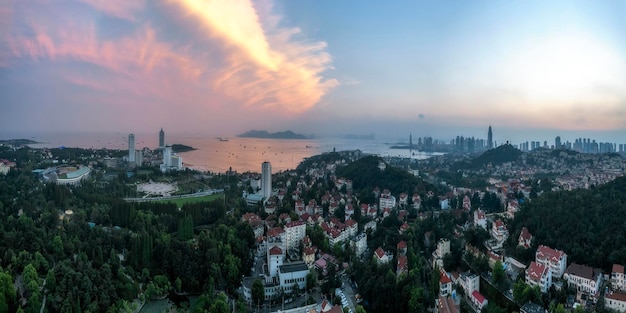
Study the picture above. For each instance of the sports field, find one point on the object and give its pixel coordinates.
(181, 201)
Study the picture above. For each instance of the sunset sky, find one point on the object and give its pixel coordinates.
(531, 69)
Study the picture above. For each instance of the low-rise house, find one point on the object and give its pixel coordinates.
(445, 305)
(402, 266)
(445, 284)
(525, 238)
(585, 279)
(540, 275)
(480, 220)
(615, 300)
(478, 300)
(381, 256)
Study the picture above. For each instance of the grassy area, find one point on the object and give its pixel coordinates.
(181, 201)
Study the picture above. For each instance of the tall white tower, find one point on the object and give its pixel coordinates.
(131, 148)
(266, 180)
(167, 156)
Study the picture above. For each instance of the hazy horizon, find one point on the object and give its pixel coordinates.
(533, 70)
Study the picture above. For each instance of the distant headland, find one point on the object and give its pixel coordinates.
(265, 134)
(18, 142)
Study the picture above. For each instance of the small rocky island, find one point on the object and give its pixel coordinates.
(278, 135)
(178, 148)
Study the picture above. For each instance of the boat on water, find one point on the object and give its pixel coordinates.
(222, 139)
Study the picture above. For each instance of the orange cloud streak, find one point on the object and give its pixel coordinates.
(265, 67)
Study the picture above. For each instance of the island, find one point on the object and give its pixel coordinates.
(178, 148)
(278, 135)
(17, 142)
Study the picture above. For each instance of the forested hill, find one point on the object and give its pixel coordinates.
(589, 225)
(497, 156)
(366, 175)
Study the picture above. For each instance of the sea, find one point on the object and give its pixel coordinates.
(220, 154)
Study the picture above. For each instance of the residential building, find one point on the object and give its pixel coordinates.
(480, 219)
(540, 275)
(555, 260)
(469, 282)
(618, 277)
(294, 233)
(585, 279)
(478, 300)
(402, 266)
(499, 230)
(525, 238)
(445, 284)
(615, 300)
(445, 305)
(443, 248)
(381, 256)
(359, 244)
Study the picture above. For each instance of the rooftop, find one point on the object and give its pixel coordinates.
(293, 267)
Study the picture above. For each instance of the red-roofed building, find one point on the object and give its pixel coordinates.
(555, 260)
(540, 275)
(404, 227)
(445, 284)
(446, 305)
(618, 277)
(403, 267)
(615, 301)
(479, 300)
(381, 256)
(401, 247)
(525, 238)
(499, 230)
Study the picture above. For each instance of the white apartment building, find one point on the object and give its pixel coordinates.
(294, 233)
(618, 277)
(540, 275)
(555, 260)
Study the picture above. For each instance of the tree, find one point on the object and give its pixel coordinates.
(499, 276)
(258, 291)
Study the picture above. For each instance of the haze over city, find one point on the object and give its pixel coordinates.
(531, 69)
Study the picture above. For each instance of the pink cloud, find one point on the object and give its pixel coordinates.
(124, 9)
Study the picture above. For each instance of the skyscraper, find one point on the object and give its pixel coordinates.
(266, 180)
(557, 142)
(489, 138)
(131, 148)
(161, 139)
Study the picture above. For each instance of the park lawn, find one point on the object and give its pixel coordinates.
(181, 201)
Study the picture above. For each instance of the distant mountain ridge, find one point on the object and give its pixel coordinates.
(278, 135)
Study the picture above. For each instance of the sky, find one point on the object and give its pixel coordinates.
(531, 69)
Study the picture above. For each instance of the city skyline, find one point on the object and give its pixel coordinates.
(532, 70)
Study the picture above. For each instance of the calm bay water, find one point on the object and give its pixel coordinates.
(242, 154)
